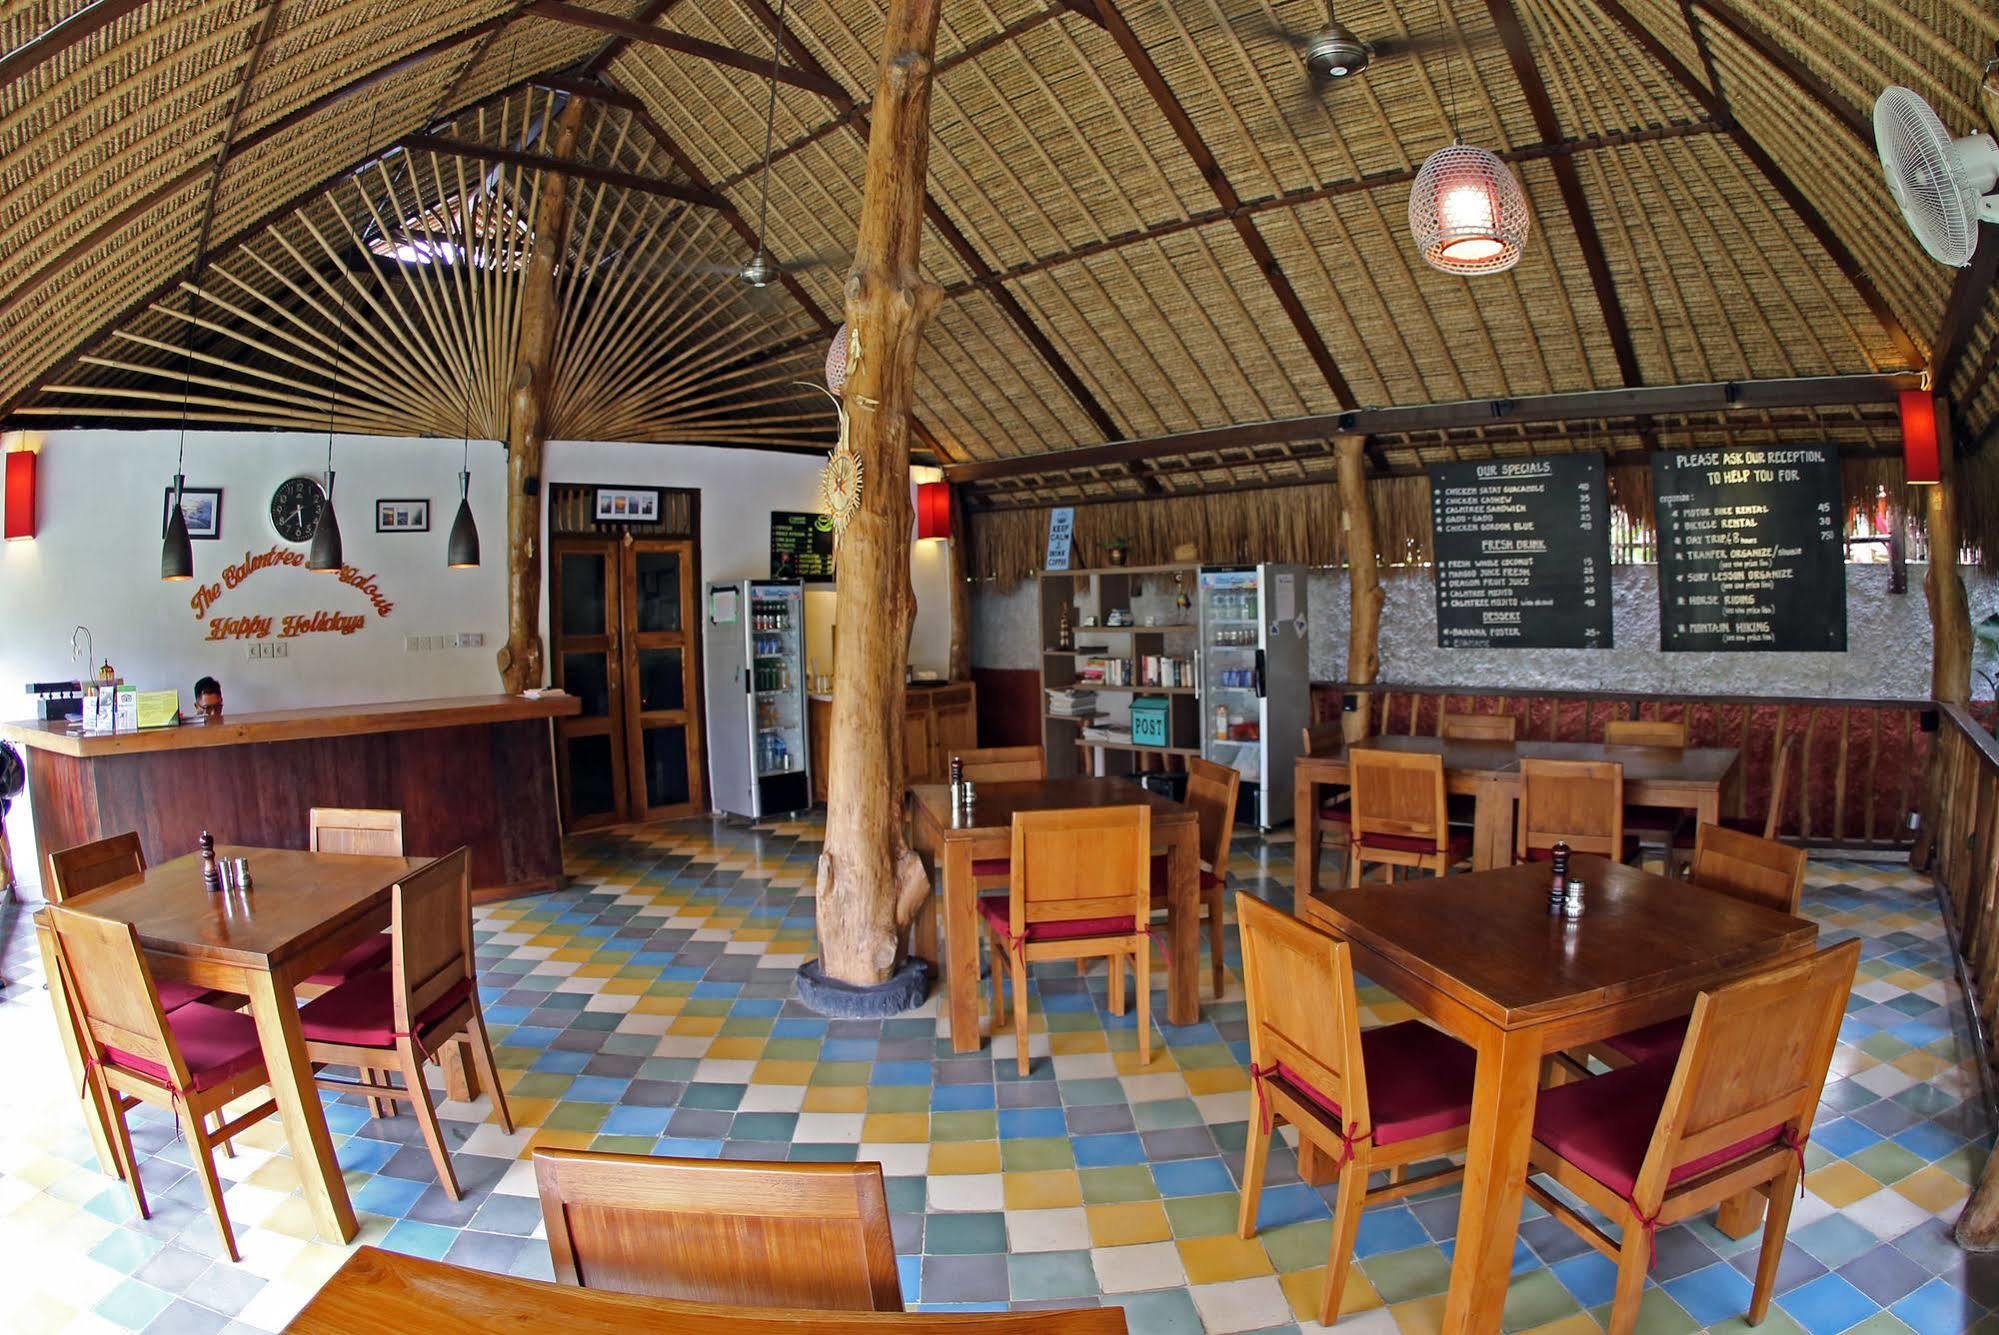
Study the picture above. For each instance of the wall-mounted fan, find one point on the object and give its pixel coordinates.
(1944, 185)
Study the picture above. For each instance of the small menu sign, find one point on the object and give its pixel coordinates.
(1750, 551)
(1523, 553)
(801, 546)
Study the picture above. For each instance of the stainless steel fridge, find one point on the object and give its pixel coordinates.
(1256, 690)
(757, 759)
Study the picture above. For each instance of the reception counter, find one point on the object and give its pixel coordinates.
(477, 772)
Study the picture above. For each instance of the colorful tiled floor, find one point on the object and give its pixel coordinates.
(648, 1009)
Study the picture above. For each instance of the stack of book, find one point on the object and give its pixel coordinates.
(1072, 703)
(1116, 733)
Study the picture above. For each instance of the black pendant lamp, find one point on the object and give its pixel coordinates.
(325, 553)
(177, 551)
(461, 550)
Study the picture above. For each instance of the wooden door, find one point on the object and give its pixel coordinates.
(588, 661)
(662, 709)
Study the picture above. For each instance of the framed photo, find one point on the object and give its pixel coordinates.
(628, 505)
(202, 507)
(402, 516)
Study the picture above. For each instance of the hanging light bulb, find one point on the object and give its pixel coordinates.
(461, 550)
(1467, 212)
(325, 552)
(176, 551)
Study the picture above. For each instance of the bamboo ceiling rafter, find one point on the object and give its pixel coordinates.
(654, 340)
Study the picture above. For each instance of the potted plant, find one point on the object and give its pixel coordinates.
(1119, 549)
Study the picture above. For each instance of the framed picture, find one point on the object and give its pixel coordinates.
(404, 516)
(202, 507)
(628, 505)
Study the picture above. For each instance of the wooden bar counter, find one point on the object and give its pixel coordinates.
(477, 771)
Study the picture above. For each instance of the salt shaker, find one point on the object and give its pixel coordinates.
(1572, 902)
(242, 867)
(211, 875)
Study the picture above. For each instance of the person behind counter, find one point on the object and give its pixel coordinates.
(208, 697)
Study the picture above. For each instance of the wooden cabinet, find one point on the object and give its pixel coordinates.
(937, 720)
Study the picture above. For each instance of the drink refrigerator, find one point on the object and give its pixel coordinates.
(757, 761)
(1256, 689)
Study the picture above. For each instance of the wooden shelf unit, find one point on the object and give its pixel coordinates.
(1095, 593)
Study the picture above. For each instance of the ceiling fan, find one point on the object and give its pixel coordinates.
(1333, 52)
(762, 270)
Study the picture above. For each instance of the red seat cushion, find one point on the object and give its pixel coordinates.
(995, 910)
(1655, 1042)
(1631, 851)
(361, 1012)
(1338, 812)
(1419, 1081)
(1209, 881)
(367, 957)
(1459, 845)
(1604, 1125)
(984, 867)
(216, 1044)
(174, 995)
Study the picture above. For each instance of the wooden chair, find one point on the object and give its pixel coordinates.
(1081, 887)
(1481, 727)
(1399, 815)
(1383, 1099)
(1654, 827)
(801, 1235)
(1211, 791)
(1336, 812)
(1780, 791)
(370, 833)
(1003, 764)
(1756, 871)
(999, 764)
(1653, 1144)
(1577, 802)
(1645, 732)
(397, 1019)
(192, 1061)
(75, 872)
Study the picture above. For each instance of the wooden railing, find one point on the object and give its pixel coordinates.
(1860, 771)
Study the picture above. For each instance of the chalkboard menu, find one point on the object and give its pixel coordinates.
(1523, 553)
(801, 547)
(1750, 552)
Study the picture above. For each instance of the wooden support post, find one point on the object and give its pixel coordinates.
(527, 421)
(1950, 617)
(961, 591)
(1363, 581)
(870, 884)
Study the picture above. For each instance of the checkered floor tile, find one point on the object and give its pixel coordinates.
(648, 1008)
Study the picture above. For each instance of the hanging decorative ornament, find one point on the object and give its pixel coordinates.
(836, 361)
(840, 487)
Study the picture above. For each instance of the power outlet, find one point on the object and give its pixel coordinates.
(412, 643)
(269, 649)
(471, 639)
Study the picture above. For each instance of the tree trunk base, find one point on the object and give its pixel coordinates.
(904, 990)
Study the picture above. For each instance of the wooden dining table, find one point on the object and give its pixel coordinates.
(1694, 778)
(950, 839)
(379, 1291)
(1479, 956)
(304, 911)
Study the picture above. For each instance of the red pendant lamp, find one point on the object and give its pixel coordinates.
(20, 515)
(1921, 464)
(933, 510)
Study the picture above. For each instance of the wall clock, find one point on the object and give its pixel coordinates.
(295, 508)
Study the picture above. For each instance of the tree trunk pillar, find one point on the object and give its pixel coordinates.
(521, 657)
(1364, 585)
(1950, 616)
(870, 885)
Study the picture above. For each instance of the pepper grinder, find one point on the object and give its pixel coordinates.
(211, 875)
(1558, 886)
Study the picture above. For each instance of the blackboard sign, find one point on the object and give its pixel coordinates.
(1523, 553)
(1750, 552)
(801, 547)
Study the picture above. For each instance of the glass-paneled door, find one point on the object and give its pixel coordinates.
(587, 658)
(663, 730)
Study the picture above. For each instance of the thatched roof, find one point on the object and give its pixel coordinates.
(1143, 225)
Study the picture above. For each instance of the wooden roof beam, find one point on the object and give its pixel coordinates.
(649, 12)
(582, 171)
(953, 236)
(258, 46)
(1584, 405)
(668, 40)
(52, 41)
(1106, 13)
(1852, 119)
(1714, 104)
(1969, 293)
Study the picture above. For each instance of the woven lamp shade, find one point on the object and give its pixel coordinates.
(1467, 212)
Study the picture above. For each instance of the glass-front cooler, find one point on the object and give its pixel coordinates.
(756, 698)
(1255, 687)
